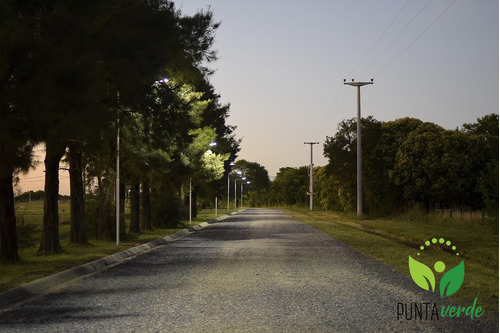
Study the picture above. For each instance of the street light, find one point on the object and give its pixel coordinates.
(235, 181)
(358, 85)
(211, 144)
(228, 185)
(241, 193)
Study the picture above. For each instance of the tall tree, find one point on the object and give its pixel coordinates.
(22, 56)
(341, 151)
(70, 89)
(78, 230)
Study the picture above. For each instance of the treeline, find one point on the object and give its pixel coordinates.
(406, 162)
(74, 74)
(36, 196)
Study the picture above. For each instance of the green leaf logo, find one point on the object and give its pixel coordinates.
(452, 280)
(422, 275)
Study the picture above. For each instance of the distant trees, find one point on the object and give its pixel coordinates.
(69, 70)
(290, 187)
(407, 162)
(257, 192)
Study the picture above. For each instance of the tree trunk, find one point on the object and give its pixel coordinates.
(146, 207)
(8, 230)
(104, 207)
(134, 206)
(50, 231)
(78, 232)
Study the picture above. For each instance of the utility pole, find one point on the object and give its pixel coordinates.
(358, 85)
(311, 176)
(117, 182)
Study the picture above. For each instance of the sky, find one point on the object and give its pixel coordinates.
(282, 63)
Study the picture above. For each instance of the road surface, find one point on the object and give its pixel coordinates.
(257, 271)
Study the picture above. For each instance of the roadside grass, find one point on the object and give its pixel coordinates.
(32, 266)
(392, 240)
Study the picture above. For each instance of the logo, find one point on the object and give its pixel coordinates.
(441, 258)
(424, 276)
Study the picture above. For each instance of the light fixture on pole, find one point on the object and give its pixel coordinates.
(228, 184)
(358, 85)
(241, 193)
(235, 188)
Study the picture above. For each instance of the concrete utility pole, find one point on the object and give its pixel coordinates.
(358, 138)
(311, 176)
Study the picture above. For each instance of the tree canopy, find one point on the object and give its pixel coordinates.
(74, 73)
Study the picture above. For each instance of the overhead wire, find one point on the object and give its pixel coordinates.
(336, 104)
(394, 39)
(416, 39)
(378, 40)
(324, 122)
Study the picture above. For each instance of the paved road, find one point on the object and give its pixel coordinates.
(257, 271)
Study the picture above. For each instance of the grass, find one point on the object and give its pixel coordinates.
(392, 240)
(32, 266)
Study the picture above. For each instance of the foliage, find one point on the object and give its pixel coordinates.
(407, 162)
(290, 187)
(72, 74)
(257, 191)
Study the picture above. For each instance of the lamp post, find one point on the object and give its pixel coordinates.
(211, 144)
(228, 185)
(241, 193)
(358, 85)
(235, 182)
(117, 182)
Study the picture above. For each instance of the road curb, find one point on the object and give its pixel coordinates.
(41, 286)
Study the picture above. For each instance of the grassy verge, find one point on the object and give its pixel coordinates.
(392, 240)
(32, 266)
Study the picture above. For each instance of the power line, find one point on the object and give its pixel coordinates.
(324, 123)
(397, 36)
(378, 40)
(418, 37)
(34, 177)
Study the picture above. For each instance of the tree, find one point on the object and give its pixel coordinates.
(63, 65)
(485, 134)
(257, 175)
(204, 165)
(488, 187)
(290, 186)
(327, 189)
(78, 229)
(341, 151)
(21, 57)
(71, 82)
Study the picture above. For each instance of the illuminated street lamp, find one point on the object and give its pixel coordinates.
(241, 193)
(235, 181)
(211, 144)
(228, 185)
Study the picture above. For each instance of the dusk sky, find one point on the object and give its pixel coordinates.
(282, 65)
